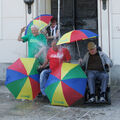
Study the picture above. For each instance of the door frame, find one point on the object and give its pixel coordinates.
(104, 39)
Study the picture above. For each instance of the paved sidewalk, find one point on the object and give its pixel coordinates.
(11, 109)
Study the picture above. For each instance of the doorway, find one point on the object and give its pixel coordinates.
(77, 14)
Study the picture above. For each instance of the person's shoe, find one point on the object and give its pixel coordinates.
(91, 100)
(102, 99)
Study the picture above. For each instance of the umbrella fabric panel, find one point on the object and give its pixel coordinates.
(66, 67)
(51, 85)
(75, 72)
(70, 95)
(34, 67)
(77, 84)
(50, 90)
(16, 86)
(77, 35)
(39, 24)
(65, 38)
(58, 96)
(57, 72)
(26, 91)
(28, 63)
(13, 76)
(88, 33)
(18, 66)
(35, 77)
(51, 79)
(45, 17)
(35, 87)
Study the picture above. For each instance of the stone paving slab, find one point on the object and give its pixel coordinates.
(12, 109)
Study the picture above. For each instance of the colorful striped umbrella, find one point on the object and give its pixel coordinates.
(40, 21)
(22, 78)
(66, 84)
(76, 35)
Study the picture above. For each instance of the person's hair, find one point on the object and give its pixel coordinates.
(34, 26)
(53, 19)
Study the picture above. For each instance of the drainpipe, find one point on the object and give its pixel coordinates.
(59, 17)
(74, 14)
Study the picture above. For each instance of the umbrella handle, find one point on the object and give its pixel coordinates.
(78, 48)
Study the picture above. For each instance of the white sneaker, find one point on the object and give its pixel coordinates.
(102, 99)
(91, 100)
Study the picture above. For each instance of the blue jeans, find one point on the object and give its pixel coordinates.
(43, 79)
(93, 75)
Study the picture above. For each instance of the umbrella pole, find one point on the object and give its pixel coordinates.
(74, 24)
(59, 18)
(78, 49)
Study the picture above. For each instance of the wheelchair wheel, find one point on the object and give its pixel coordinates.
(87, 95)
(108, 96)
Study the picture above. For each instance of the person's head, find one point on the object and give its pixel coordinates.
(53, 22)
(92, 48)
(54, 46)
(34, 30)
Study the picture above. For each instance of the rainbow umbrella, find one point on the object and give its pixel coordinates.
(22, 78)
(76, 35)
(66, 84)
(40, 21)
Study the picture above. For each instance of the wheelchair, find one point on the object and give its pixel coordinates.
(97, 94)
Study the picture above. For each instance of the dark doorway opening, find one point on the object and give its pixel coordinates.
(77, 14)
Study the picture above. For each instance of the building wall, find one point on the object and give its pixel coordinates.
(12, 18)
(114, 14)
(44, 7)
(115, 30)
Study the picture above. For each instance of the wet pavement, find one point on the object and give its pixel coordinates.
(12, 109)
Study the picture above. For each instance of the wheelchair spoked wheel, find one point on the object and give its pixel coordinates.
(108, 96)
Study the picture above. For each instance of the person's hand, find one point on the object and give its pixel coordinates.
(49, 37)
(107, 67)
(41, 67)
(80, 61)
(20, 34)
(36, 56)
(23, 29)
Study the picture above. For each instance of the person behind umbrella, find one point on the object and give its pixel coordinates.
(55, 56)
(95, 63)
(36, 41)
(52, 32)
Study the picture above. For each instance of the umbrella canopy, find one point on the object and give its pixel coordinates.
(40, 21)
(76, 35)
(22, 78)
(66, 84)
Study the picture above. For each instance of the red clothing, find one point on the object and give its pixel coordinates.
(57, 57)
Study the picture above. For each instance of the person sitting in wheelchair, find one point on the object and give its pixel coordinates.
(95, 63)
